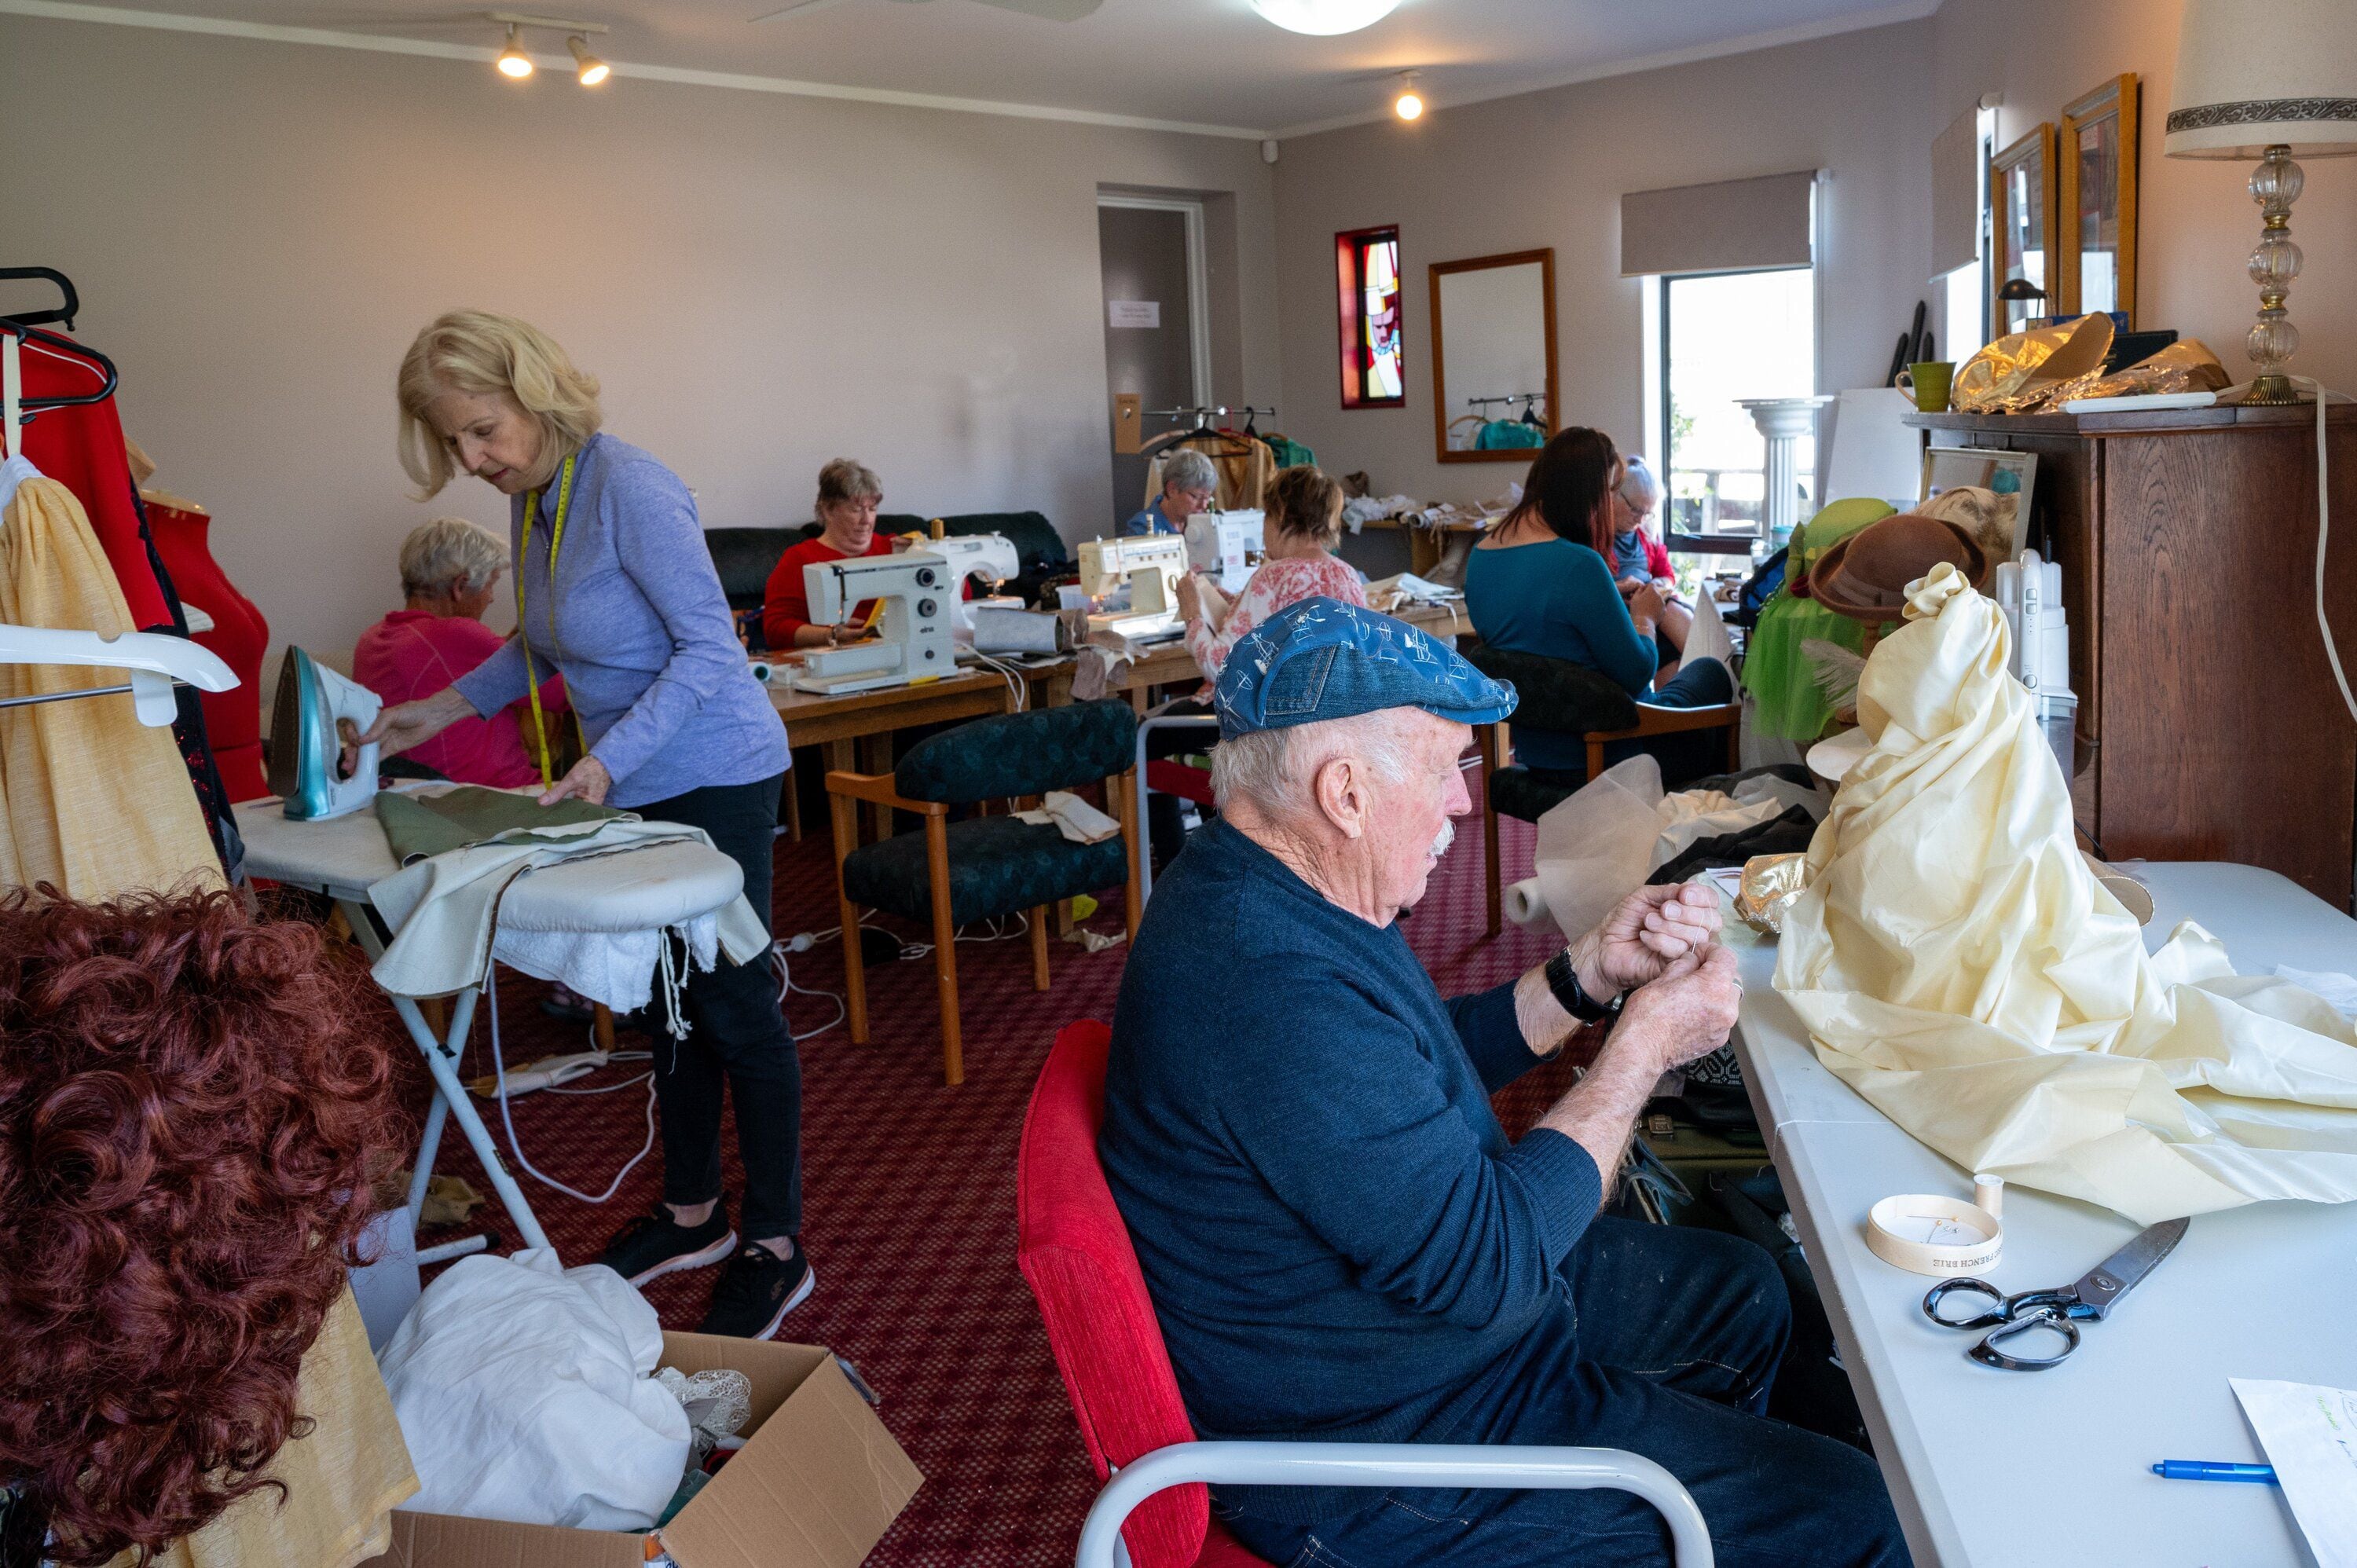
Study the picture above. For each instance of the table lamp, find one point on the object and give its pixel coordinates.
(2266, 79)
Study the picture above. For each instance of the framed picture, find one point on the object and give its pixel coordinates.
(2003, 529)
(2022, 219)
(2096, 234)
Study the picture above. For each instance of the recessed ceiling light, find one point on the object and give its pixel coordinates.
(1325, 17)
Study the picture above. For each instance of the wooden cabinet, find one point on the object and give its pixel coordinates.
(2210, 724)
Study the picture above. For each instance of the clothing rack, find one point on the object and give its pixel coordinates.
(1530, 400)
(1202, 415)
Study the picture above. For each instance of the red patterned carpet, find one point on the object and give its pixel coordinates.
(909, 1193)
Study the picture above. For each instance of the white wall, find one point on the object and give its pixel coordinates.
(2196, 220)
(761, 282)
(1549, 169)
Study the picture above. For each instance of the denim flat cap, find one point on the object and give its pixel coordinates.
(1321, 659)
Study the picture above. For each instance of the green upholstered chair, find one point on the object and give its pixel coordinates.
(953, 874)
(1557, 695)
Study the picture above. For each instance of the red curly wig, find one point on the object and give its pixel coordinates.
(191, 1103)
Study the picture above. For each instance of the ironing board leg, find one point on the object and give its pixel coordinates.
(443, 1063)
(427, 1148)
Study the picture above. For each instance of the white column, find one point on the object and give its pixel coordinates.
(1784, 421)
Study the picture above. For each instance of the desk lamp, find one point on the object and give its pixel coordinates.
(2017, 291)
(2266, 79)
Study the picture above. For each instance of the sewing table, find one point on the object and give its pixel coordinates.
(1994, 1468)
(868, 719)
(653, 888)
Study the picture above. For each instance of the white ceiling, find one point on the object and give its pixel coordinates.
(1204, 64)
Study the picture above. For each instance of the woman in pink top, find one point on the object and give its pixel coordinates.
(1304, 523)
(449, 570)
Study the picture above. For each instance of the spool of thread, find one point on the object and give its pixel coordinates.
(762, 669)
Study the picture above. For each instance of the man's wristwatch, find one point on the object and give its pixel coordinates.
(1563, 980)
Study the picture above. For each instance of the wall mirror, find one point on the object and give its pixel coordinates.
(2022, 219)
(1493, 374)
(2095, 251)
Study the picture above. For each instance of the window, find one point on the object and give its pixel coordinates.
(1726, 337)
(1366, 267)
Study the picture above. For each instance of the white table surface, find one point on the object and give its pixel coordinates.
(2000, 1469)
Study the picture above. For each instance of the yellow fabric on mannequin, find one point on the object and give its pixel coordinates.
(343, 1481)
(1958, 965)
(91, 800)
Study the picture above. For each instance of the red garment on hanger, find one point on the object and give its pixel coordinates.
(240, 635)
(81, 449)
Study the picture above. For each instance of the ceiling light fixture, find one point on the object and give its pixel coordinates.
(512, 60)
(1324, 18)
(587, 67)
(1409, 105)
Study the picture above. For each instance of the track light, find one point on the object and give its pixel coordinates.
(1409, 105)
(512, 60)
(587, 67)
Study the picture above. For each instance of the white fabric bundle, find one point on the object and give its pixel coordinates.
(1957, 962)
(523, 1392)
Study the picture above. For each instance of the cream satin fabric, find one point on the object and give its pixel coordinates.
(1958, 965)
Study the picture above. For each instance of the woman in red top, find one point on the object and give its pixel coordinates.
(449, 570)
(848, 496)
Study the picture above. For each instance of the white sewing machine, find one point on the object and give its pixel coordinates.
(1149, 565)
(1225, 546)
(987, 558)
(917, 592)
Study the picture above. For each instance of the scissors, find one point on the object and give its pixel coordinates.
(2060, 1310)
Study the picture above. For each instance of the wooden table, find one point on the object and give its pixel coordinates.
(869, 718)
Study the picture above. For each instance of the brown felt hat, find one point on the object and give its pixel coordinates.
(1866, 576)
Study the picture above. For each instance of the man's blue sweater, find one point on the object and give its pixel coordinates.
(1339, 1239)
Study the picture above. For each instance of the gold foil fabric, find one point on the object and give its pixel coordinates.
(2024, 372)
(1771, 883)
(2186, 365)
(1957, 962)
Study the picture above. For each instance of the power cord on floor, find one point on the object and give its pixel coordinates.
(499, 1075)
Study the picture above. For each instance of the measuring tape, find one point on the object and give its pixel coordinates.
(1926, 1234)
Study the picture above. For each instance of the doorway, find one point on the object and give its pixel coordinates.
(1158, 341)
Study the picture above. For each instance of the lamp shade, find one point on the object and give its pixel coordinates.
(2252, 74)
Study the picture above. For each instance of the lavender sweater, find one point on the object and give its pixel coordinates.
(650, 662)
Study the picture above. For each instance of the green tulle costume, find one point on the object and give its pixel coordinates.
(1775, 671)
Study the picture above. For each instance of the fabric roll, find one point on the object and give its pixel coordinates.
(95, 803)
(1958, 963)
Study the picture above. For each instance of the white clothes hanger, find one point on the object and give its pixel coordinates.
(155, 663)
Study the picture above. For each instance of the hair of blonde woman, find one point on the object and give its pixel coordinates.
(486, 354)
(848, 480)
(1305, 502)
(450, 554)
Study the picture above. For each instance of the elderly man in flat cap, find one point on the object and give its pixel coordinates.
(1341, 1242)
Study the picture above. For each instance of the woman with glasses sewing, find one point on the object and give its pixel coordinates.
(616, 590)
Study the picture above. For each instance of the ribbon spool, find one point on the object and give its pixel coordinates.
(1926, 1234)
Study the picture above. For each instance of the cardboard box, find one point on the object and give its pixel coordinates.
(817, 1485)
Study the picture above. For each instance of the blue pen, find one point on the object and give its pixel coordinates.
(2213, 1470)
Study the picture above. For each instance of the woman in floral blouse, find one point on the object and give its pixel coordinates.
(1304, 523)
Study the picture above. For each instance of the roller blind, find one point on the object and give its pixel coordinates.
(1735, 225)
(1956, 195)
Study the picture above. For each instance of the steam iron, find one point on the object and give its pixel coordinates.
(314, 714)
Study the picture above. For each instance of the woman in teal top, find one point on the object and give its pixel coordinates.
(1542, 584)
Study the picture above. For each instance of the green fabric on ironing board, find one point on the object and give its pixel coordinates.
(1775, 671)
(416, 826)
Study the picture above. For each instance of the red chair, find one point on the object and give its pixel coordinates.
(1076, 1253)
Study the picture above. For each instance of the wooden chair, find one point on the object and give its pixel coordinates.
(953, 874)
(1557, 695)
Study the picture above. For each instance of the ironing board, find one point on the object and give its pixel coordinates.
(651, 888)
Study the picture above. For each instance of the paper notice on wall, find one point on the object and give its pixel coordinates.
(1134, 312)
(2310, 1433)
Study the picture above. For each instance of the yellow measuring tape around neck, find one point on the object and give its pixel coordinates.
(523, 554)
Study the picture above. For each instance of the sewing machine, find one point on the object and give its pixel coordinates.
(916, 591)
(989, 559)
(1149, 566)
(1225, 546)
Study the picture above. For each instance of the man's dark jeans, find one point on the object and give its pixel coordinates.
(1679, 1333)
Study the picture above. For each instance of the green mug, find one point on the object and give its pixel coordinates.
(1928, 381)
